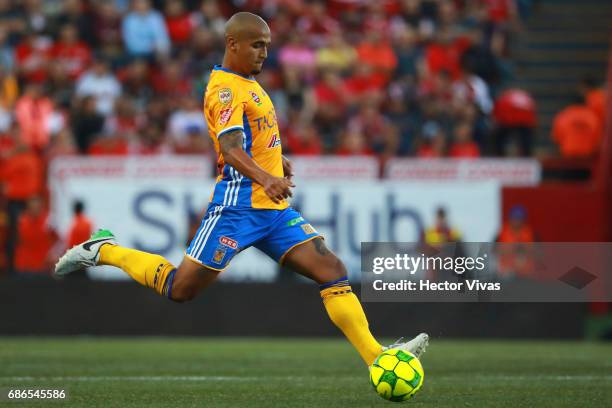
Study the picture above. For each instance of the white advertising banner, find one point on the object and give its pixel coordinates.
(151, 213)
(508, 172)
(336, 167)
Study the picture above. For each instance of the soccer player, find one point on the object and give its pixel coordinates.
(248, 206)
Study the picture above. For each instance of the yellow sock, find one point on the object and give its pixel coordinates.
(346, 312)
(150, 270)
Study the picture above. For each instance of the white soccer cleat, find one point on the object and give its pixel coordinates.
(83, 255)
(415, 346)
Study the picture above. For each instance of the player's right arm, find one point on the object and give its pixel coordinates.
(231, 147)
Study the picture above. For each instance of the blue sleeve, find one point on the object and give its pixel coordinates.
(125, 33)
(162, 40)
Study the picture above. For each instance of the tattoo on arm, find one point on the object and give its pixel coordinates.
(230, 140)
(320, 246)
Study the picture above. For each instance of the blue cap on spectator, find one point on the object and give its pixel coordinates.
(518, 212)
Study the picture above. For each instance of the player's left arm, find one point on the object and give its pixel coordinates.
(231, 147)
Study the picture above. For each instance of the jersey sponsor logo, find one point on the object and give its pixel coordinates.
(294, 221)
(274, 141)
(255, 97)
(225, 96)
(308, 229)
(218, 255)
(225, 116)
(267, 121)
(228, 242)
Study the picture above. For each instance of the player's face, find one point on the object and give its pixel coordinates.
(254, 51)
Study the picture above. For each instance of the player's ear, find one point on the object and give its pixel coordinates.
(231, 43)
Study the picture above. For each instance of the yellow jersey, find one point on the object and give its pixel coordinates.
(233, 101)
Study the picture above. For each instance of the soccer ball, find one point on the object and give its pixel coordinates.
(396, 375)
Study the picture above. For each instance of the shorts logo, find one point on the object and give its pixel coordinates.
(219, 255)
(225, 115)
(228, 242)
(225, 96)
(307, 228)
(255, 97)
(274, 141)
(295, 221)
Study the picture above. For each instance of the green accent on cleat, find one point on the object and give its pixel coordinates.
(102, 233)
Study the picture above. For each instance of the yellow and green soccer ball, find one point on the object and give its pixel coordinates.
(396, 375)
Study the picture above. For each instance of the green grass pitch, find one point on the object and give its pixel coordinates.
(244, 372)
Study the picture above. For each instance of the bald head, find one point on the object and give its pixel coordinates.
(247, 38)
(245, 25)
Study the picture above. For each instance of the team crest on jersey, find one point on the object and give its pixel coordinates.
(274, 141)
(219, 255)
(225, 116)
(255, 97)
(225, 96)
(308, 229)
(228, 242)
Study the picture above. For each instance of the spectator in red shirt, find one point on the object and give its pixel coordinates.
(463, 142)
(71, 52)
(317, 24)
(578, 131)
(109, 146)
(515, 255)
(364, 81)
(31, 56)
(353, 143)
(378, 53)
(330, 97)
(376, 19)
(32, 112)
(304, 141)
(516, 229)
(515, 118)
(373, 124)
(595, 97)
(445, 53)
(178, 22)
(500, 11)
(34, 241)
(81, 226)
(22, 176)
(173, 83)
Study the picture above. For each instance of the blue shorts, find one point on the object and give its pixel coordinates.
(225, 231)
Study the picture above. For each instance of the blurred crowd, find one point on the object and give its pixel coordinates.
(385, 78)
